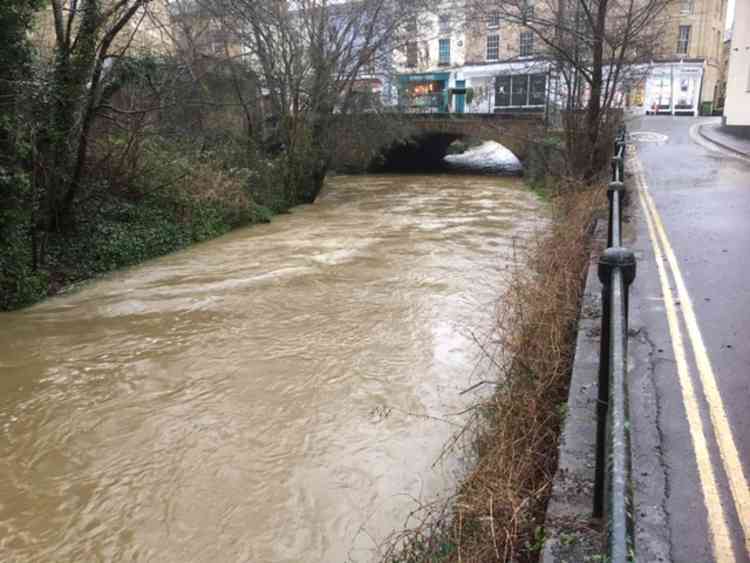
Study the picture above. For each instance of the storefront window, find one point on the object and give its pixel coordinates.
(424, 92)
(502, 91)
(521, 90)
(673, 89)
(538, 90)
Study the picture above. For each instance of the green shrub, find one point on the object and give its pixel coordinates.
(20, 285)
(163, 198)
(545, 164)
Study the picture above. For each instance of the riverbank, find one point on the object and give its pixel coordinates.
(120, 229)
(498, 511)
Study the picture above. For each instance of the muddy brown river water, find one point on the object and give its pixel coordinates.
(280, 394)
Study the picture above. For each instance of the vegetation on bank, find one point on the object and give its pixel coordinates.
(498, 511)
(110, 155)
(117, 229)
(92, 179)
(149, 185)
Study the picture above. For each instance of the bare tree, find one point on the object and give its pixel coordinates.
(597, 48)
(309, 56)
(88, 35)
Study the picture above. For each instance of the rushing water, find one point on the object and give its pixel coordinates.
(277, 395)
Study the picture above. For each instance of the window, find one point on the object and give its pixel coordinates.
(445, 23)
(521, 90)
(423, 95)
(502, 91)
(494, 20)
(411, 25)
(526, 47)
(493, 47)
(683, 41)
(686, 7)
(444, 52)
(538, 89)
(412, 54)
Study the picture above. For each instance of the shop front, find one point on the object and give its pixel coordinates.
(424, 93)
(674, 88)
(521, 92)
(512, 86)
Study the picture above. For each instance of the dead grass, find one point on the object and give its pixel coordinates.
(498, 512)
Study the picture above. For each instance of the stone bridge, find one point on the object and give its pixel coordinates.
(512, 130)
(421, 140)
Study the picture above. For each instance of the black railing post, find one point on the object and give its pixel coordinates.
(628, 266)
(603, 391)
(616, 271)
(626, 537)
(615, 189)
(617, 168)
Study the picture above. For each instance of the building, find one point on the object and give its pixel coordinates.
(685, 75)
(199, 36)
(461, 64)
(721, 90)
(467, 63)
(737, 104)
(434, 49)
(506, 67)
(148, 31)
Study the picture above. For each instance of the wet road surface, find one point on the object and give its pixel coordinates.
(692, 466)
(278, 395)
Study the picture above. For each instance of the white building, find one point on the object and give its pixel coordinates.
(737, 104)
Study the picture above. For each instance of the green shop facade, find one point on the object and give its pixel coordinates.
(485, 88)
(426, 92)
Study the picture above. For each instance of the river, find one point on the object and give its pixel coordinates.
(280, 394)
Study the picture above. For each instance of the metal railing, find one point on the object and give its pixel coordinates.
(612, 489)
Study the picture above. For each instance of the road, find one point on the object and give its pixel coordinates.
(690, 320)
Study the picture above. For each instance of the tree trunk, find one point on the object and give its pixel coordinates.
(593, 111)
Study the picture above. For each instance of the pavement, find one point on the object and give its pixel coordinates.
(689, 372)
(719, 135)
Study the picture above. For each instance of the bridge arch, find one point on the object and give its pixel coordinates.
(515, 131)
(362, 143)
(422, 151)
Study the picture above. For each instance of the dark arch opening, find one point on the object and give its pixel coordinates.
(421, 153)
(426, 152)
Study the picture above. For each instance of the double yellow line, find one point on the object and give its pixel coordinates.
(730, 460)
